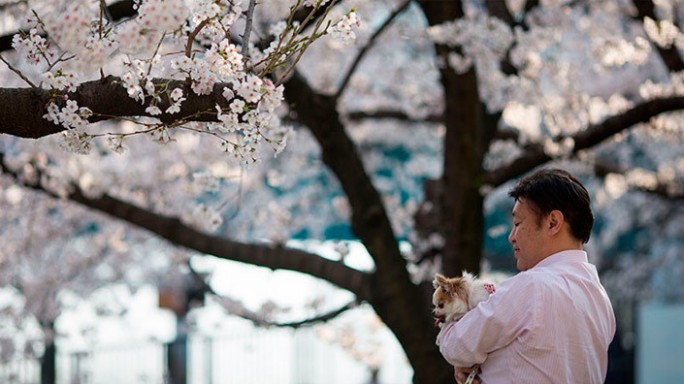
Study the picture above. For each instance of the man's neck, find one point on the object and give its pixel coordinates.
(563, 246)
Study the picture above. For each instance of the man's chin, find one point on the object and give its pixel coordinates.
(521, 267)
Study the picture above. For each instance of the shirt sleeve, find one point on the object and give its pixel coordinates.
(493, 324)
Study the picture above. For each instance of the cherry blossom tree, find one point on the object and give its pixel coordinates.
(225, 129)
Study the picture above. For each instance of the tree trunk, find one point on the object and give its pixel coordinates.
(461, 219)
(48, 367)
(400, 304)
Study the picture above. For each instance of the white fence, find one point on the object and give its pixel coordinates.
(273, 356)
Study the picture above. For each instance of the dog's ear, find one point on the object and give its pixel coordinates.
(457, 286)
(439, 281)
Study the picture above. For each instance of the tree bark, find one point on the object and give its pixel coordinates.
(107, 98)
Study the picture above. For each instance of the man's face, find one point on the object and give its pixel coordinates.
(526, 237)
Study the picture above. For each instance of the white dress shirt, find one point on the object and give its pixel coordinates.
(550, 324)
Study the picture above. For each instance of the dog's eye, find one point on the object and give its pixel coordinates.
(441, 305)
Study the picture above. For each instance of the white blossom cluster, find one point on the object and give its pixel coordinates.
(674, 87)
(344, 29)
(204, 217)
(664, 33)
(154, 45)
(59, 81)
(162, 15)
(32, 46)
(482, 41)
(616, 52)
(481, 38)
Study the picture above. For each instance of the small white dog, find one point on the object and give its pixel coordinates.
(453, 297)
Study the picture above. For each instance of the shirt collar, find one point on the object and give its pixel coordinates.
(573, 255)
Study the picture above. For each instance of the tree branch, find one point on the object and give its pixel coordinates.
(593, 135)
(17, 72)
(392, 114)
(319, 318)
(369, 217)
(22, 109)
(255, 318)
(173, 230)
(248, 29)
(261, 321)
(362, 53)
(500, 10)
(667, 190)
(670, 56)
(304, 12)
(394, 297)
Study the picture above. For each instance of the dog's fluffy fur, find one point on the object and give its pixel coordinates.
(453, 297)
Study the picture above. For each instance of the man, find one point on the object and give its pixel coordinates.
(552, 322)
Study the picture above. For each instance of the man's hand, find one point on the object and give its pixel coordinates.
(461, 374)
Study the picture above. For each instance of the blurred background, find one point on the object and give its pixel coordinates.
(179, 263)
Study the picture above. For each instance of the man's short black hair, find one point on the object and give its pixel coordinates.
(555, 189)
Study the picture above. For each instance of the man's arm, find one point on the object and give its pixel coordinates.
(493, 324)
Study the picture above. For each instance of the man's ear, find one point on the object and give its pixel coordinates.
(555, 221)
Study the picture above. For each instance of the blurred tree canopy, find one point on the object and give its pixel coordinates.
(133, 141)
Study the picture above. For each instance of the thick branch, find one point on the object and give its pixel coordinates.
(593, 135)
(671, 57)
(530, 4)
(22, 109)
(173, 230)
(500, 10)
(668, 190)
(369, 217)
(394, 297)
(467, 131)
(392, 114)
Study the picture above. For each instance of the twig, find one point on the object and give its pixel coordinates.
(156, 50)
(191, 37)
(248, 29)
(18, 72)
(104, 11)
(258, 320)
(368, 45)
(306, 42)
